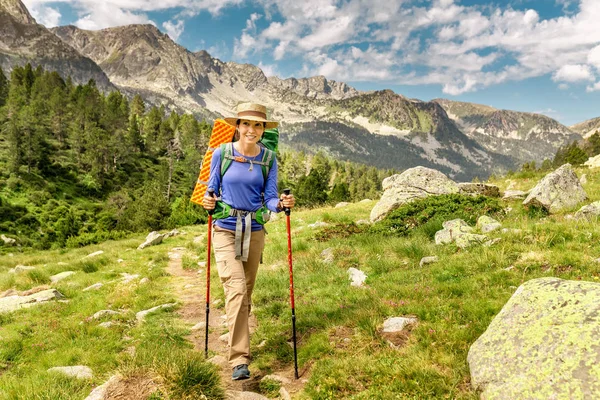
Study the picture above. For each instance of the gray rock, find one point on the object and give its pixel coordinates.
(487, 224)
(128, 277)
(152, 239)
(397, 324)
(220, 361)
(198, 326)
(363, 222)
(589, 212)
(583, 179)
(104, 313)
(59, 277)
(100, 392)
(318, 224)
(557, 191)
(342, 204)
(95, 286)
(76, 371)
(412, 184)
(95, 254)
(428, 260)
(237, 395)
(542, 344)
(8, 241)
(12, 303)
(200, 239)
(140, 316)
(144, 280)
(107, 324)
(514, 195)
(327, 255)
(283, 393)
(475, 189)
(281, 379)
(459, 232)
(357, 277)
(20, 268)
(224, 337)
(172, 233)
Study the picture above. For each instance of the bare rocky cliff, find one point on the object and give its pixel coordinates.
(24, 41)
(525, 136)
(587, 128)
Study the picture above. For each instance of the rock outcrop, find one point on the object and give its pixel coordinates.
(414, 183)
(557, 191)
(544, 344)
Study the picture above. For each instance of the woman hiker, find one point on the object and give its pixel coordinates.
(246, 191)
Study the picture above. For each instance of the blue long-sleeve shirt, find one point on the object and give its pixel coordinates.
(242, 189)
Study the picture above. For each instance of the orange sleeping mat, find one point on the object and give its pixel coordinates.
(222, 133)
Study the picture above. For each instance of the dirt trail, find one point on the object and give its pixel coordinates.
(190, 288)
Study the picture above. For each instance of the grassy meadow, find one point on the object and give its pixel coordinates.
(341, 350)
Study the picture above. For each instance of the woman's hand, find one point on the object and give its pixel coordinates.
(209, 202)
(287, 201)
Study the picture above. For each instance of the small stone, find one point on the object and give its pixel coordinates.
(428, 260)
(219, 361)
(327, 255)
(140, 316)
(199, 239)
(104, 313)
(120, 260)
(198, 326)
(189, 286)
(77, 371)
(202, 264)
(128, 278)
(262, 344)
(397, 324)
(8, 241)
(99, 393)
(342, 204)
(224, 337)
(492, 242)
(318, 224)
(144, 280)
(59, 277)
(95, 286)
(357, 277)
(281, 379)
(20, 268)
(217, 302)
(107, 324)
(283, 393)
(363, 222)
(97, 253)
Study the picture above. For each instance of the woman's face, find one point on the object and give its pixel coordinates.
(250, 131)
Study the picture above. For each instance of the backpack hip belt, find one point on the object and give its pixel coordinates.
(242, 248)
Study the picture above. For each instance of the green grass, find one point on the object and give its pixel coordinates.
(338, 326)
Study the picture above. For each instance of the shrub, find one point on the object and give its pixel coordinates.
(429, 213)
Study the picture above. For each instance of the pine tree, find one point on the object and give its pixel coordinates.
(3, 88)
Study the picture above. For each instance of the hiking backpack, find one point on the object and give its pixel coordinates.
(269, 141)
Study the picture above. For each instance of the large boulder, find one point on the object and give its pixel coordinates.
(414, 183)
(557, 191)
(544, 344)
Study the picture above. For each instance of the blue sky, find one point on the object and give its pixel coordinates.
(527, 55)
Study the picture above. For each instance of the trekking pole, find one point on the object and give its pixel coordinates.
(289, 238)
(210, 213)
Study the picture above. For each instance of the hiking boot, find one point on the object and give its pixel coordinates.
(240, 372)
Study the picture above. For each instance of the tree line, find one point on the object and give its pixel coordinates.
(78, 166)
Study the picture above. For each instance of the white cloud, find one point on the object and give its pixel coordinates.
(573, 73)
(269, 69)
(593, 57)
(594, 88)
(174, 30)
(47, 16)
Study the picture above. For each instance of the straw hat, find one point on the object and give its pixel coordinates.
(252, 112)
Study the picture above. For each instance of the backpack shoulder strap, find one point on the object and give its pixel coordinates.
(267, 162)
(226, 157)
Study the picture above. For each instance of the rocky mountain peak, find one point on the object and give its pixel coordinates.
(315, 87)
(250, 75)
(18, 10)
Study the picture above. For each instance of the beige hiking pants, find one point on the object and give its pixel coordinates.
(238, 280)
